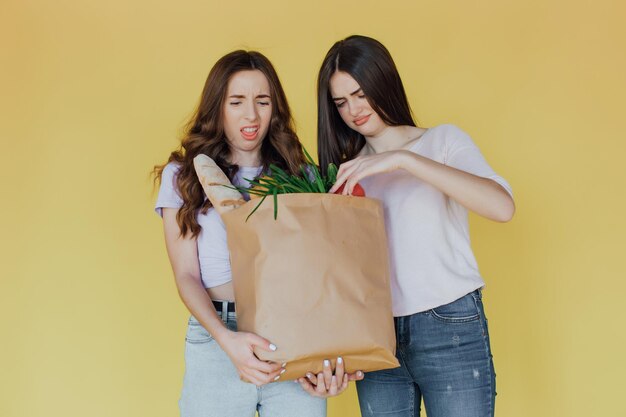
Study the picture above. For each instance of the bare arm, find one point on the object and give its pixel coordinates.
(480, 195)
(183, 255)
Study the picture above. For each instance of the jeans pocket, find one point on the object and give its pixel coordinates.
(462, 310)
(196, 333)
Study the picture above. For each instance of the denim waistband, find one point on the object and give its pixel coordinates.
(225, 309)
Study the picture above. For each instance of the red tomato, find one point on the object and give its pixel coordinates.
(357, 191)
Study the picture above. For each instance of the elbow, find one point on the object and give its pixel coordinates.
(506, 211)
(503, 206)
(185, 280)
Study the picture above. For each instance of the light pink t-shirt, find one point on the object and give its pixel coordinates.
(213, 253)
(431, 259)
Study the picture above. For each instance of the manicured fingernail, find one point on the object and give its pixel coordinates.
(284, 364)
(283, 371)
(277, 377)
(326, 362)
(339, 360)
(309, 375)
(272, 347)
(359, 373)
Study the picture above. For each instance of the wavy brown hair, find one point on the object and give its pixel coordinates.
(372, 67)
(204, 134)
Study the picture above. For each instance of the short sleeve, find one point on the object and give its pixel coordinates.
(168, 192)
(462, 153)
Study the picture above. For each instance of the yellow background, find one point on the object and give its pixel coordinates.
(93, 93)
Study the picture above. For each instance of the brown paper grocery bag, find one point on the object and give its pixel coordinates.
(315, 282)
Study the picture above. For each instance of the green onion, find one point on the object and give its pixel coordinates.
(278, 181)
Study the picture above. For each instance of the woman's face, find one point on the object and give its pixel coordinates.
(247, 114)
(353, 106)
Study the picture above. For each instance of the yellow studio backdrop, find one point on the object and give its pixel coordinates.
(94, 93)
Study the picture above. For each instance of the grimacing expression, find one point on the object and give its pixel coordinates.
(247, 112)
(353, 106)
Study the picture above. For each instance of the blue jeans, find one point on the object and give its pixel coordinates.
(211, 385)
(445, 358)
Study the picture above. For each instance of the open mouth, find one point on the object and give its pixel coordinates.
(249, 132)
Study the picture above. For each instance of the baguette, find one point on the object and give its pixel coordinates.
(213, 182)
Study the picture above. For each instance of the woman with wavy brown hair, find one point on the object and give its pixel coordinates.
(243, 122)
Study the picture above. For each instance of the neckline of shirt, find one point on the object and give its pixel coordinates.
(250, 169)
(420, 140)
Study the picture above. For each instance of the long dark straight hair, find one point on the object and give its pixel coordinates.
(370, 64)
(204, 134)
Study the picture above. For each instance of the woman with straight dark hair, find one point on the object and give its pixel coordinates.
(427, 179)
(243, 122)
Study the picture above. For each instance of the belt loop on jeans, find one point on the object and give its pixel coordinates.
(224, 311)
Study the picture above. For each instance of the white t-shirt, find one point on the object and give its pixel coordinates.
(213, 253)
(431, 259)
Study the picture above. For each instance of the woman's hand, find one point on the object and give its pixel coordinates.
(183, 253)
(483, 196)
(239, 348)
(325, 384)
(353, 171)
